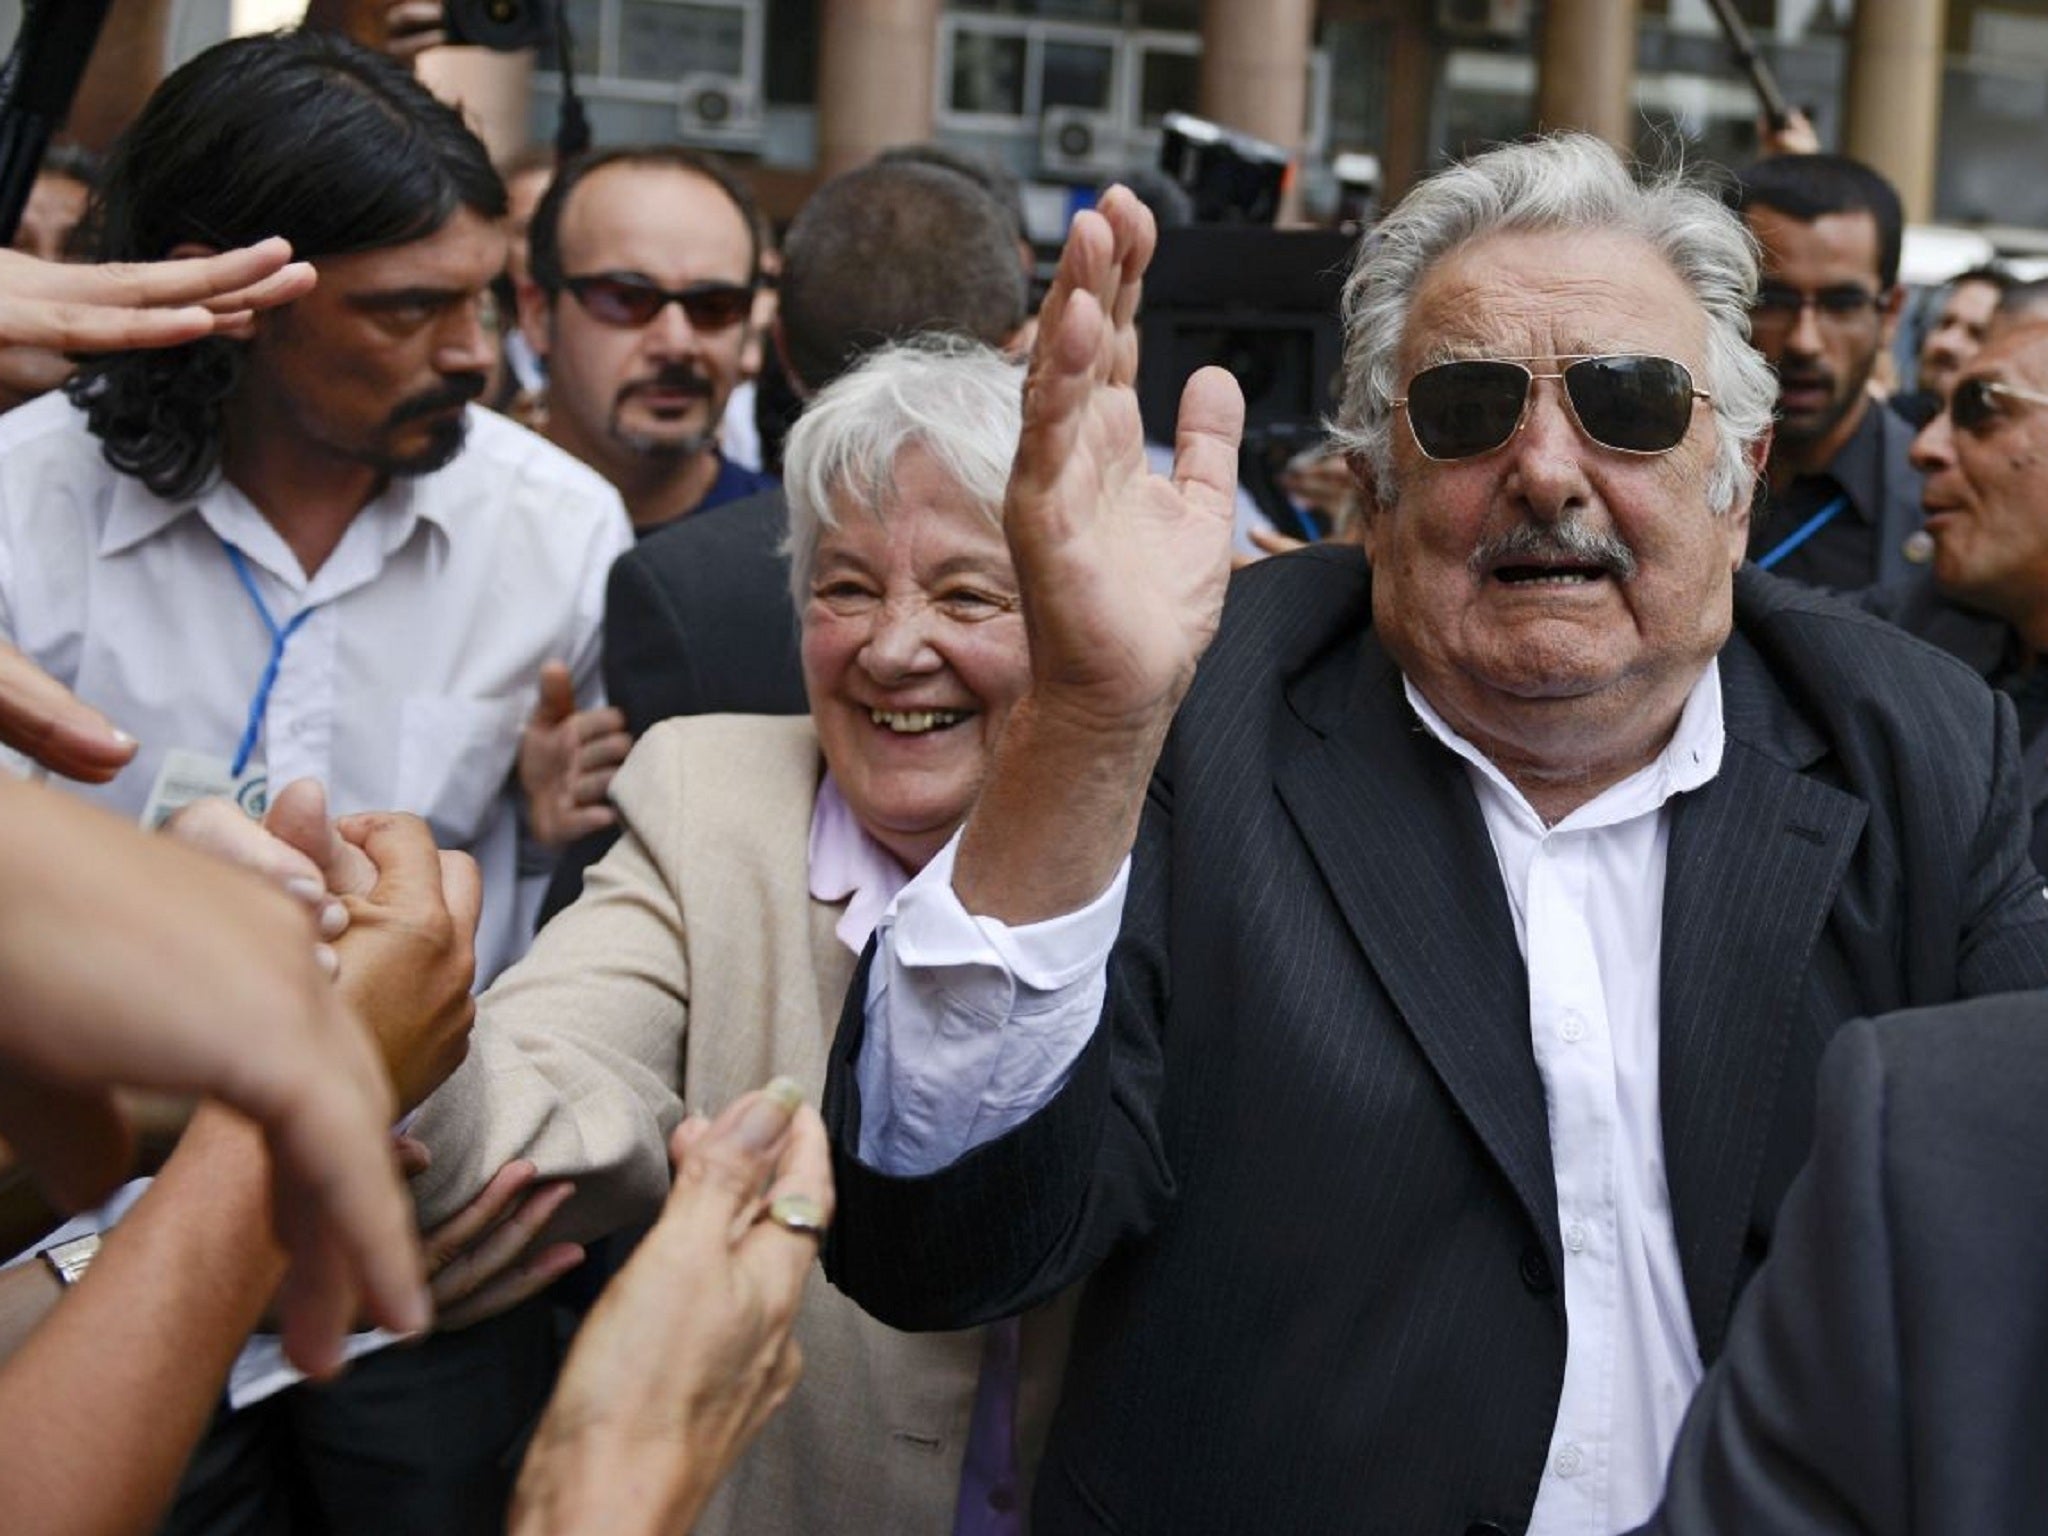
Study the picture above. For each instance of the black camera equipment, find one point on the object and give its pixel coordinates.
(505, 25)
(1261, 303)
(36, 86)
(1232, 177)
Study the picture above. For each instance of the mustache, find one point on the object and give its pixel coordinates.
(678, 377)
(452, 394)
(1568, 542)
(1802, 374)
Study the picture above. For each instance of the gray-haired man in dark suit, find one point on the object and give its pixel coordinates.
(1419, 1097)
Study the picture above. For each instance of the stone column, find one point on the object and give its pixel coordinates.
(1586, 71)
(494, 92)
(1411, 74)
(1255, 67)
(876, 59)
(1894, 94)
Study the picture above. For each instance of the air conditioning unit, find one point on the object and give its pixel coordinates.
(717, 109)
(1078, 145)
(1484, 20)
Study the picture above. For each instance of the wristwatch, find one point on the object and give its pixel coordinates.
(71, 1259)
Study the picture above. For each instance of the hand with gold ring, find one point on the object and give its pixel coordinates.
(688, 1352)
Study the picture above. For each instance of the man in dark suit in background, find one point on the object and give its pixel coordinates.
(1420, 1096)
(698, 618)
(1842, 503)
(1885, 1371)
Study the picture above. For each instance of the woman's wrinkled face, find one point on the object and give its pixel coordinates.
(913, 653)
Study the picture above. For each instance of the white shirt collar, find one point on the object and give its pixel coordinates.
(850, 866)
(136, 514)
(1690, 758)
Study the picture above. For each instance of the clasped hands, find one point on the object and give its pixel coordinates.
(397, 920)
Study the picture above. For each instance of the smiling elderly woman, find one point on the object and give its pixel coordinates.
(713, 946)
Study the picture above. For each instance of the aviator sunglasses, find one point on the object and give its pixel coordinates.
(1630, 402)
(1973, 404)
(628, 299)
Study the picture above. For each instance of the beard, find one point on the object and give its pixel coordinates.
(1843, 396)
(446, 423)
(666, 442)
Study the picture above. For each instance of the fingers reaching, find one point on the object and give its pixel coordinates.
(42, 719)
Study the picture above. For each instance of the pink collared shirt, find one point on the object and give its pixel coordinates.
(848, 865)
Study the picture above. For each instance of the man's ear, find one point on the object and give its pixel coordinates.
(1754, 458)
(1373, 508)
(1890, 305)
(536, 316)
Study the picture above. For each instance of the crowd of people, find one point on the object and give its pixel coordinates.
(1517, 1018)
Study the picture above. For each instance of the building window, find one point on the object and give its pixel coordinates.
(987, 73)
(664, 40)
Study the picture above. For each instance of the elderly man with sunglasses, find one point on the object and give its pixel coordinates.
(645, 262)
(1417, 1097)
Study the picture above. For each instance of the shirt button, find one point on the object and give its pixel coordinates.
(1570, 1460)
(1573, 1026)
(1575, 1238)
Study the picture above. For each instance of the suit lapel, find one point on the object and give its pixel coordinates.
(1755, 859)
(1391, 823)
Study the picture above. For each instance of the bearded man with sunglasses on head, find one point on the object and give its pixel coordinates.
(644, 265)
(1407, 1024)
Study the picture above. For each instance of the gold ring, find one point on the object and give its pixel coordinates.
(799, 1214)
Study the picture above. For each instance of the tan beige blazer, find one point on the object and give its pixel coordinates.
(695, 967)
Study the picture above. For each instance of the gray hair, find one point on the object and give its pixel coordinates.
(962, 402)
(1570, 182)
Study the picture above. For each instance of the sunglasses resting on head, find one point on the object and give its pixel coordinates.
(1631, 402)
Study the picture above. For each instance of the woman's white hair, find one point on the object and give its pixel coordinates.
(960, 401)
(1570, 183)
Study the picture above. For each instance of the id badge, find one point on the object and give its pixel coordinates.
(187, 776)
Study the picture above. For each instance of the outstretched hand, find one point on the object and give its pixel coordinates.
(1122, 573)
(688, 1351)
(197, 980)
(45, 721)
(1122, 570)
(118, 306)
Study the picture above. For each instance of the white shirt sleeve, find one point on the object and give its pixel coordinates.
(972, 1025)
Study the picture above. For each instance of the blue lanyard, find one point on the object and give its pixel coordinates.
(1805, 531)
(280, 637)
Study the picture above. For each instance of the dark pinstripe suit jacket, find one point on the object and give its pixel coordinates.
(1305, 1161)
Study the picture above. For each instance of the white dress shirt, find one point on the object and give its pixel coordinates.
(407, 685)
(973, 1026)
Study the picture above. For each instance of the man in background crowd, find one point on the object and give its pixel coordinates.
(1841, 502)
(1960, 327)
(1985, 456)
(644, 263)
(305, 555)
(48, 229)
